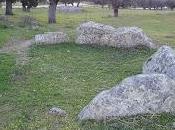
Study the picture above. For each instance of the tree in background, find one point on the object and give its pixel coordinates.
(28, 4)
(170, 4)
(67, 2)
(1, 3)
(52, 11)
(115, 6)
(71, 2)
(8, 10)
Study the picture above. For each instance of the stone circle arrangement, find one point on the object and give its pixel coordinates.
(100, 34)
(151, 92)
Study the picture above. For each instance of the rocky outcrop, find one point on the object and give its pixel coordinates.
(162, 62)
(51, 38)
(140, 94)
(100, 34)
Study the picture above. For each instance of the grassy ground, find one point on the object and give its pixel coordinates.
(70, 75)
(6, 65)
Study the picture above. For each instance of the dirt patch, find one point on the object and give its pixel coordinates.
(19, 48)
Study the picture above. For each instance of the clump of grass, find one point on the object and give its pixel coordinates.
(164, 121)
(7, 65)
(28, 21)
(5, 22)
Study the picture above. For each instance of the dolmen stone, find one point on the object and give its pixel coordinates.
(140, 94)
(100, 34)
(51, 38)
(162, 62)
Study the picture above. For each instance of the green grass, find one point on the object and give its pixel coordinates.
(6, 68)
(6, 65)
(70, 75)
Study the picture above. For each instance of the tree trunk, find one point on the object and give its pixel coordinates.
(78, 4)
(115, 12)
(28, 8)
(115, 5)
(102, 6)
(52, 12)
(24, 7)
(8, 7)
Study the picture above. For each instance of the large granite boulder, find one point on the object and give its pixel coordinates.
(51, 38)
(163, 62)
(96, 33)
(140, 94)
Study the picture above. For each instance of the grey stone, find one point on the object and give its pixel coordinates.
(163, 62)
(51, 38)
(100, 34)
(69, 9)
(140, 94)
(57, 111)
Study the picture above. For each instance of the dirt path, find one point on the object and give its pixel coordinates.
(19, 48)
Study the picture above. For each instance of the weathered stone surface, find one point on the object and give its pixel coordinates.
(51, 38)
(163, 62)
(57, 111)
(96, 33)
(140, 94)
(69, 9)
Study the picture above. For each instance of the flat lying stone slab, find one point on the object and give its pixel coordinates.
(100, 34)
(69, 9)
(140, 94)
(51, 38)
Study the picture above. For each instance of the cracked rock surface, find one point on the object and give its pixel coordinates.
(162, 62)
(100, 34)
(140, 94)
